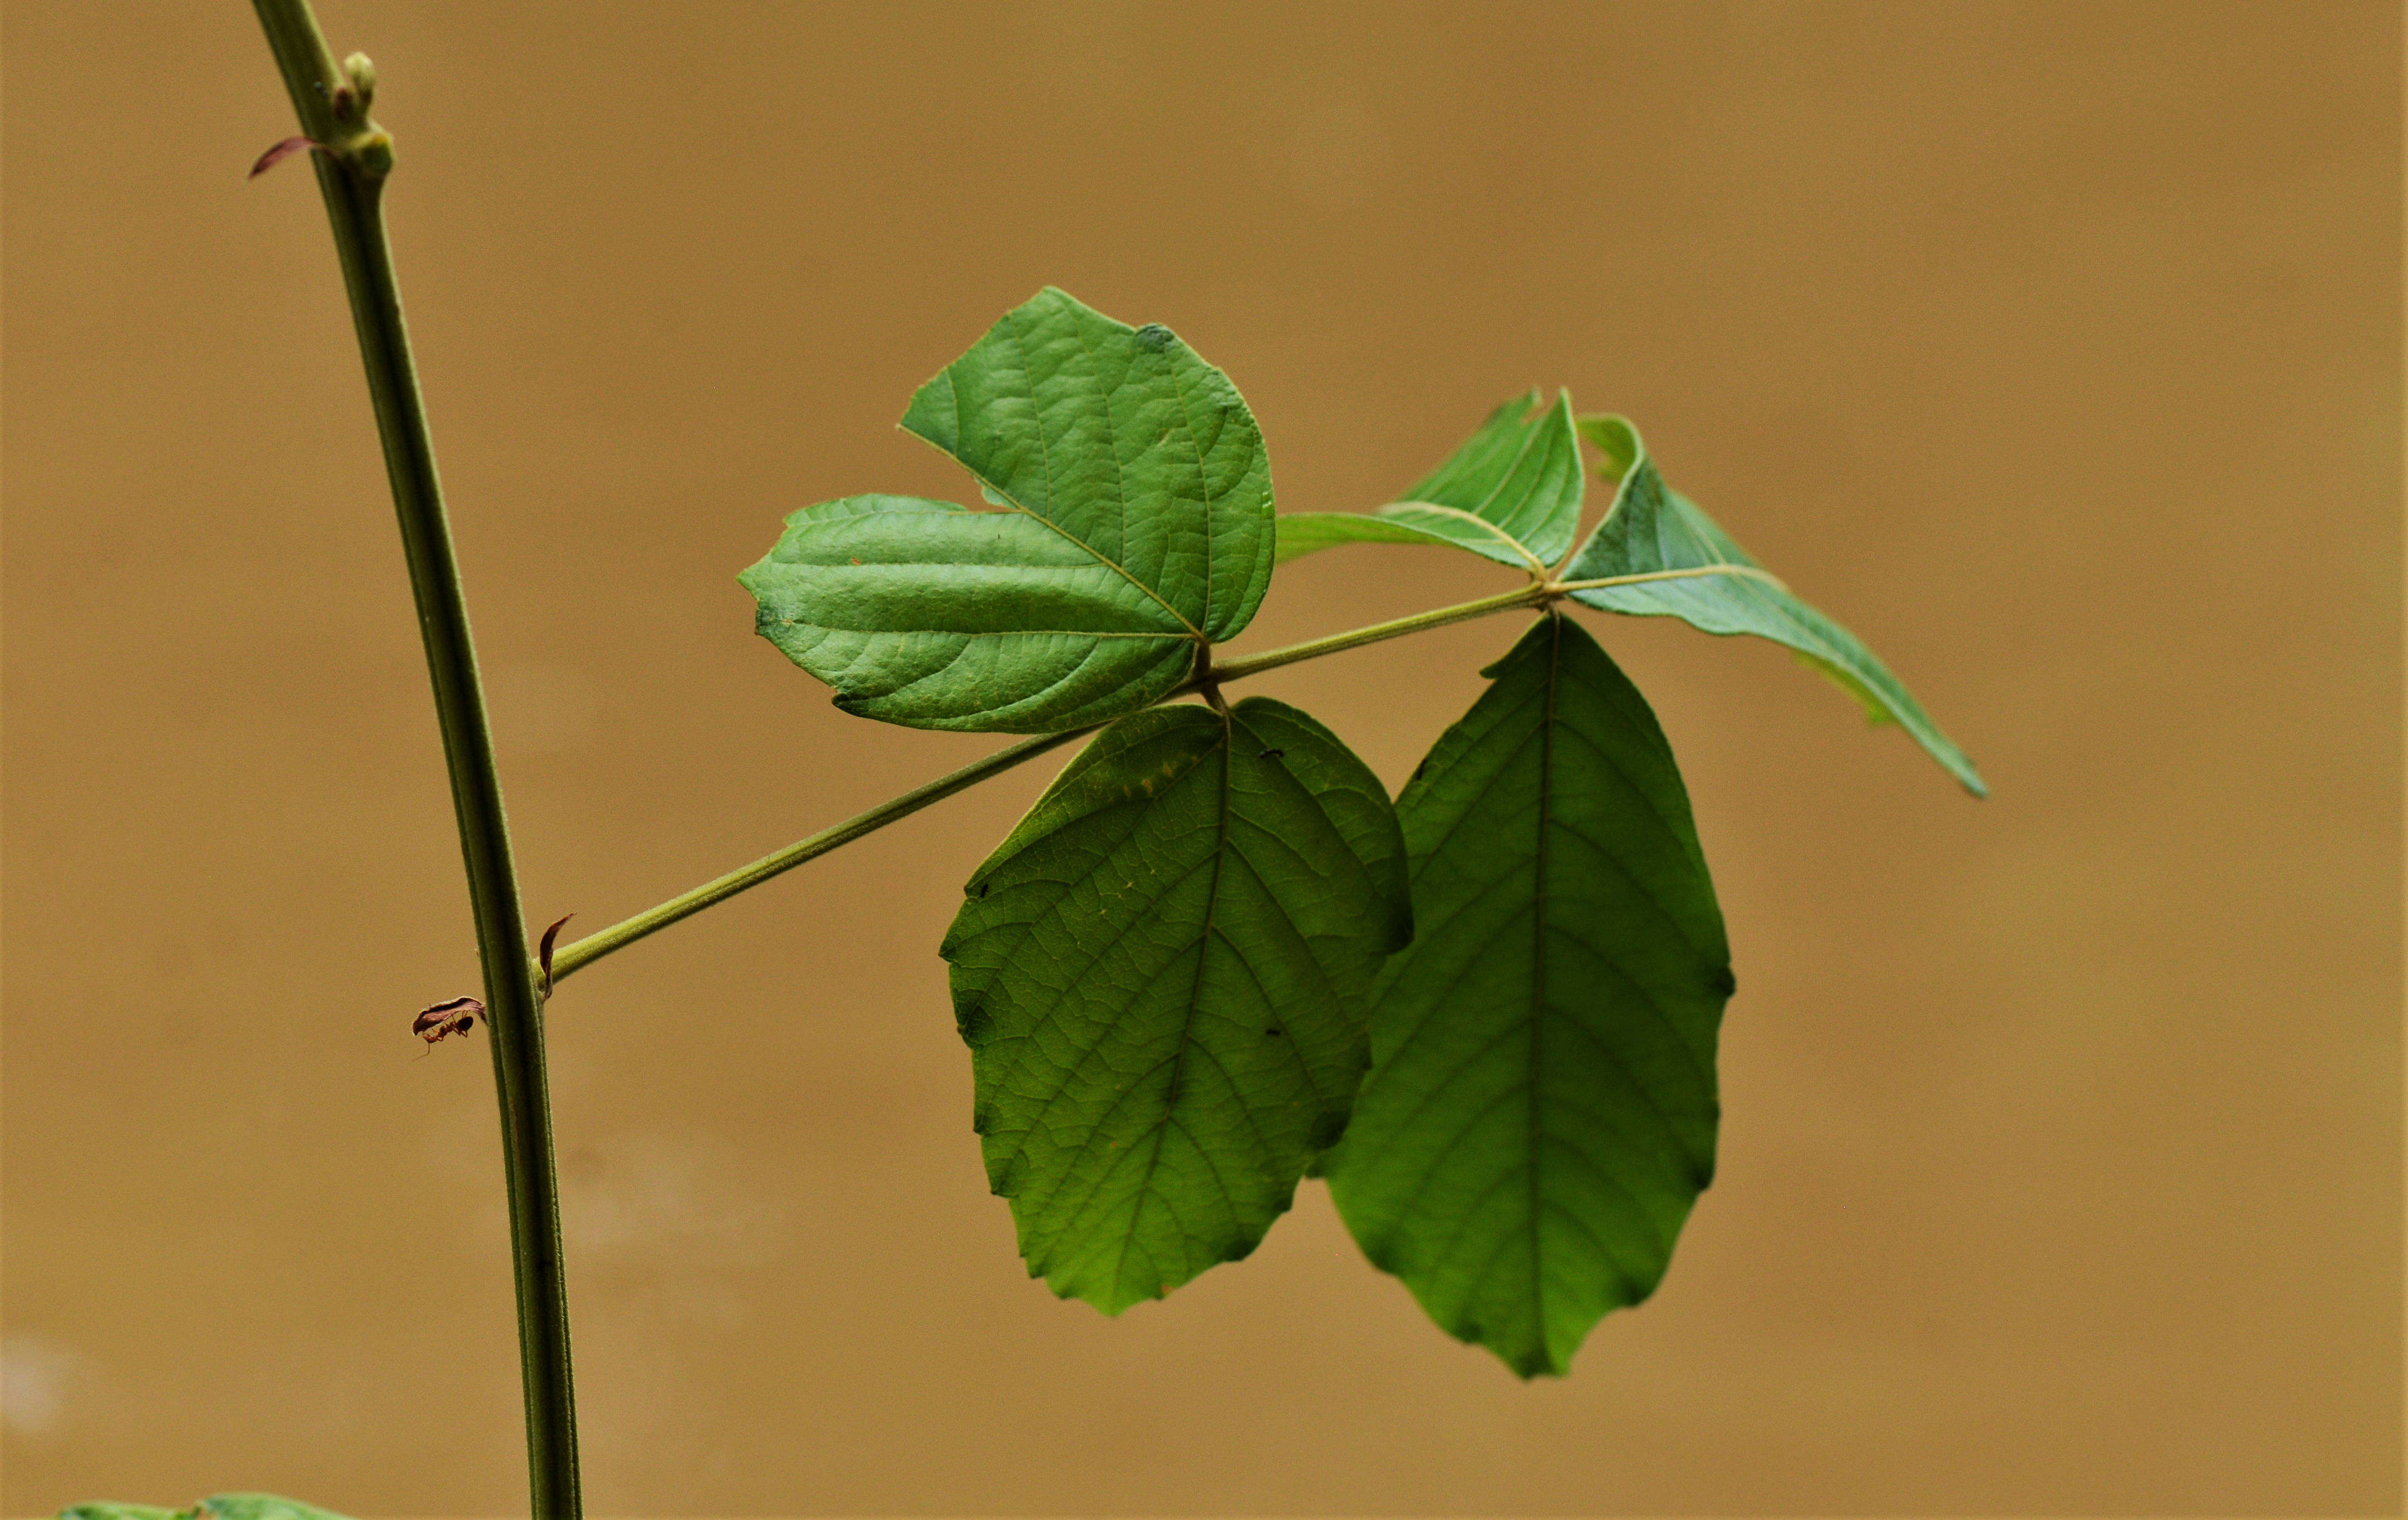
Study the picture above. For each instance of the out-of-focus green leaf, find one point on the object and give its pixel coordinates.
(1540, 1110)
(1511, 493)
(1136, 528)
(215, 1507)
(1162, 976)
(1675, 561)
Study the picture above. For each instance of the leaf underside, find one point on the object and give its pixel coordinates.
(1163, 977)
(1511, 493)
(1651, 528)
(1540, 1110)
(1136, 526)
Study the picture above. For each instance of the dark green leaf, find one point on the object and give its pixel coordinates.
(1136, 526)
(1676, 562)
(1162, 976)
(1511, 494)
(1540, 1110)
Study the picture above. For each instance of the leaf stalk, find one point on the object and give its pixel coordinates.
(567, 962)
(1207, 682)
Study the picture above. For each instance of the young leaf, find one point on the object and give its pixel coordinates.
(1512, 493)
(1136, 526)
(1700, 575)
(1540, 1110)
(1162, 976)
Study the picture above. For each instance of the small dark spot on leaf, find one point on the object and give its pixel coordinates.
(1725, 983)
(1154, 337)
(1273, 1033)
(1272, 754)
(974, 1022)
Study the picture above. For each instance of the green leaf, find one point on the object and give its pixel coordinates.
(1540, 1110)
(1512, 493)
(1162, 976)
(1136, 526)
(215, 1507)
(1676, 562)
(924, 613)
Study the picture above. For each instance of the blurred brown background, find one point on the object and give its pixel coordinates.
(2056, 348)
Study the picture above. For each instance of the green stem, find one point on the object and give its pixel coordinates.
(595, 946)
(1313, 649)
(619, 936)
(353, 160)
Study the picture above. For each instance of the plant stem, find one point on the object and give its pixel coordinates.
(619, 936)
(1313, 649)
(352, 158)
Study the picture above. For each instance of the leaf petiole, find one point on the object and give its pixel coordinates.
(685, 905)
(595, 946)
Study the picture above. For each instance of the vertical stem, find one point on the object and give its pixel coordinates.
(351, 162)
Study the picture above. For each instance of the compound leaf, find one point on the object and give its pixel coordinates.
(1511, 493)
(1677, 562)
(1540, 1110)
(1136, 526)
(1162, 976)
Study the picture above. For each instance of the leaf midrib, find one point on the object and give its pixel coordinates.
(1195, 996)
(1536, 564)
(1539, 978)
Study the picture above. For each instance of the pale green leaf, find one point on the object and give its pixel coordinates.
(1669, 559)
(1540, 1110)
(923, 612)
(1511, 493)
(1307, 533)
(215, 1507)
(1136, 527)
(1162, 976)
